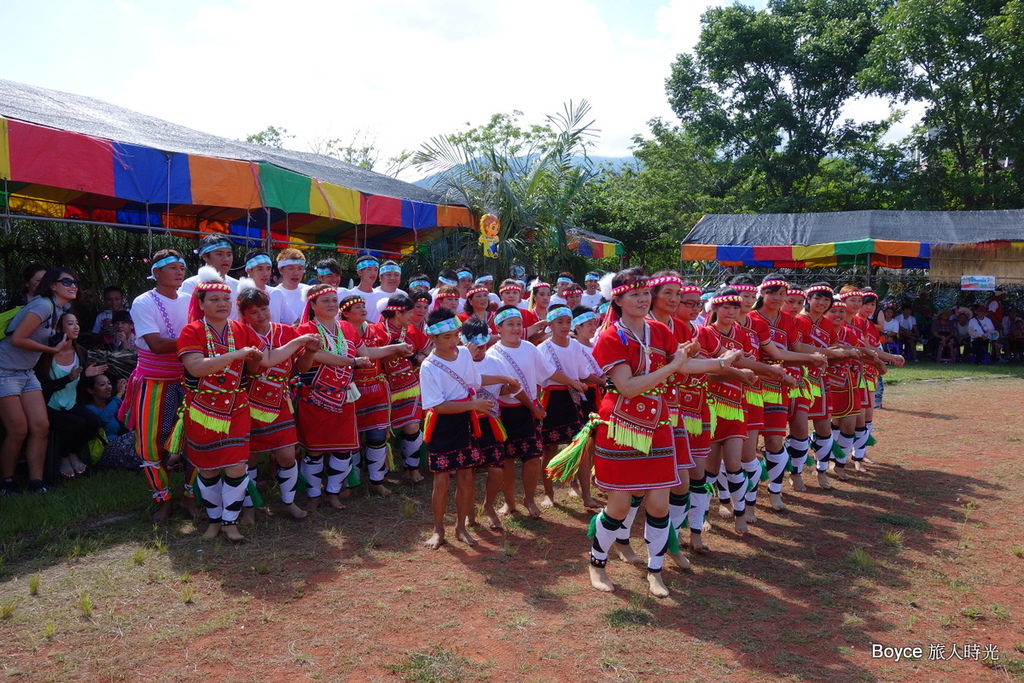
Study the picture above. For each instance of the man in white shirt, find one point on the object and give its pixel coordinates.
(390, 277)
(979, 328)
(215, 251)
(368, 268)
(292, 266)
(909, 333)
(259, 267)
(592, 297)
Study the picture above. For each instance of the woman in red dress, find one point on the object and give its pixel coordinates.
(217, 354)
(635, 448)
(270, 405)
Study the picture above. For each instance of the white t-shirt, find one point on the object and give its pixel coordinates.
(557, 301)
(103, 316)
(189, 286)
(293, 302)
(437, 386)
(276, 304)
(979, 328)
(530, 368)
(592, 300)
(906, 323)
(892, 327)
(494, 299)
(149, 319)
(572, 359)
(382, 302)
(592, 365)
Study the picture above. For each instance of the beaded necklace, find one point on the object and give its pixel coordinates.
(229, 340)
(337, 345)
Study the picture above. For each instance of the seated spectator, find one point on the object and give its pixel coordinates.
(1015, 340)
(1010, 318)
(909, 333)
(58, 374)
(124, 332)
(944, 333)
(963, 334)
(981, 330)
(890, 330)
(113, 299)
(101, 399)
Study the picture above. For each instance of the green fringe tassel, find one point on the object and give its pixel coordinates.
(352, 480)
(837, 450)
(250, 486)
(673, 540)
(809, 462)
(564, 466)
(764, 473)
(592, 527)
(871, 441)
(198, 497)
(175, 441)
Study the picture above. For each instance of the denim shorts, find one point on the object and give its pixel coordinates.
(17, 382)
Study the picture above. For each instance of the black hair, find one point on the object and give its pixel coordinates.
(506, 308)
(741, 279)
(51, 276)
(251, 297)
(760, 292)
(807, 297)
(123, 315)
(474, 327)
(448, 274)
(468, 306)
(724, 290)
(560, 306)
(112, 288)
(398, 300)
(421, 296)
(329, 264)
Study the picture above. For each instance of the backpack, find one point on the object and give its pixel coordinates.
(7, 318)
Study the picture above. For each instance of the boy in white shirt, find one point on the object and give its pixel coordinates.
(292, 266)
(215, 251)
(592, 298)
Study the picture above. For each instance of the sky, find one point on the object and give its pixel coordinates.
(393, 72)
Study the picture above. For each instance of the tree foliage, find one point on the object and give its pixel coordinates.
(961, 58)
(767, 88)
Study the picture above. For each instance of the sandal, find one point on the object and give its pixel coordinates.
(77, 464)
(66, 469)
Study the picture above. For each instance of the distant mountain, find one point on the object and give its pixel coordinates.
(613, 163)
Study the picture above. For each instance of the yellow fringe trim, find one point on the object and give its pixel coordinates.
(262, 415)
(624, 436)
(754, 398)
(406, 393)
(724, 412)
(772, 396)
(694, 425)
(218, 425)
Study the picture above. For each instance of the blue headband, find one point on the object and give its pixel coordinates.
(557, 312)
(485, 278)
(502, 316)
(214, 246)
(591, 277)
(166, 261)
(478, 340)
(419, 283)
(324, 272)
(367, 263)
(564, 281)
(257, 260)
(444, 326)
(465, 273)
(583, 318)
(603, 308)
(291, 262)
(446, 281)
(390, 268)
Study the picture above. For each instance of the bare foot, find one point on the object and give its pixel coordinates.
(574, 490)
(415, 477)
(724, 510)
(697, 544)
(823, 481)
(232, 532)
(380, 489)
(506, 509)
(334, 501)
(248, 516)
(435, 541)
(657, 585)
(706, 526)
(295, 511)
(591, 504)
(627, 553)
(212, 531)
(547, 503)
(741, 525)
(532, 508)
(493, 521)
(859, 466)
(750, 515)
(681, 560)
(840, 472)
(776, 501)
(798, 481)
(868, 461)
(190, 507)
(312, 504)
(599, 579)
(163, 512)
(465, 537)
(344, 493)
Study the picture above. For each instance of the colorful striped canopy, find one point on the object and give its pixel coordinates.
(592, 245)
(68, 174)
(888, 239)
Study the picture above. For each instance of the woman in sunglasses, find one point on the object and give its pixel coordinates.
(22, 409)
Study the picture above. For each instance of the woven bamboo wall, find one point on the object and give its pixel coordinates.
(1005, 261)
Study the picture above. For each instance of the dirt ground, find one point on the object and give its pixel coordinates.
(923, 551)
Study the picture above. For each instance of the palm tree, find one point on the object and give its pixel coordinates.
(532, 180)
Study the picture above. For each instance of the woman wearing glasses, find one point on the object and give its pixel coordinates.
(22, 409)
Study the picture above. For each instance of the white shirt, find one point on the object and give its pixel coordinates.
(892, 327)
(293, 303)
(189, 286)
(437, 386)
(382, 302)
(592, 300)
(148, 319)
(906, 323)
(557, 301)
(979, 328)
(533, 368)
(572, 358)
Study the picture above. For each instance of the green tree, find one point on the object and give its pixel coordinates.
(532, 178)
(271, 136)
(961, 58)
(767, 88)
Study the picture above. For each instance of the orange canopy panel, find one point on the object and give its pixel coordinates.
(224, 182)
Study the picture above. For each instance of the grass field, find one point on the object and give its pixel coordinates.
(922, 551)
